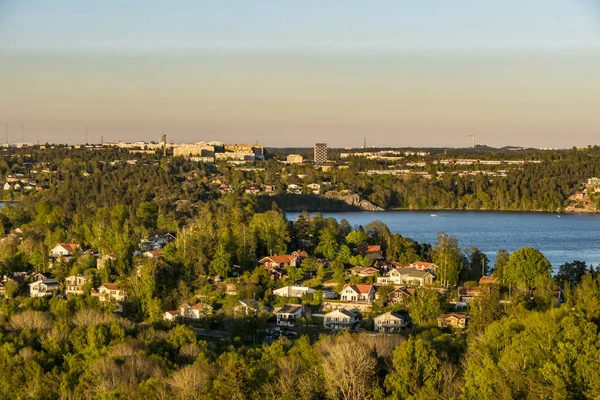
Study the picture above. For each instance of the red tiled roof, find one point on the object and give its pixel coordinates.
(487, 280)
(374, 248)
(112, 286)
(422, 264)
(362, 289)
(174, 312)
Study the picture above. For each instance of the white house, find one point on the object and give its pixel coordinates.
(289, 314)
(64, 249)
(314, 187)
(424, 266)
(7, 186)
(111, 291)
(195, 311)
(406, 276)
(171, 315)
(340, 319)
(358, 293)
(43, 287)
(74, 284)
(390, 322)
(293, 291)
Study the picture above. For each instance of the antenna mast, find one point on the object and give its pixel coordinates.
(164, 140)
(472, 141)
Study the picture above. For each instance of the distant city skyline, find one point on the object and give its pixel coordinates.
(401, 73)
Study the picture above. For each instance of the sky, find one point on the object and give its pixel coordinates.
(291, 73)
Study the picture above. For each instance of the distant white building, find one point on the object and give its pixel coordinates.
(293, 291)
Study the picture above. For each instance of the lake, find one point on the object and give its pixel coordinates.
(562, 238)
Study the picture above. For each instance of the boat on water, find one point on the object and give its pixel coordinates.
(434, 215)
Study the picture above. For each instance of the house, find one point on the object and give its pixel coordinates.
(253, 189)
(358, 293)
(42, 276)
(340, 319)
(289, 314)
(300, 254)
(424, 266)
(406, 276)
(390, 322)
(369, 271)
(293, 189)
(153, 254)
(277, 274)
(453, 320)
(314, 187)
(74, 284)
(279, 261)
(400, 294)
(111, 291)
(7, 186)
(467, 294)
(195, 311)
(246, 307)
(487, 280)
(293, 291)
(171, 315)
(64, 250)
(105, 261)
(372, 252)
(43, 288)
(230, 289)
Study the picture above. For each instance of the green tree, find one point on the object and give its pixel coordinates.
(447, 256)
(416, 372)
(221, 262)
(424, 306)
(525, 266)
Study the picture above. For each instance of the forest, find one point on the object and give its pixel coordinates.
(530, 334)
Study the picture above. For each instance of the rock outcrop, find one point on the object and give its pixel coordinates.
(352, 199)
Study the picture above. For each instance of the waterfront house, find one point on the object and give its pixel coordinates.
(390, 322)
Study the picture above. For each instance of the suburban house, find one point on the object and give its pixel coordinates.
(230, 289)
(369, 271)
(467, 294)
(390, 322)
(277, 274)
(358, 293)
(253, 189)
(111, 291)
(246, 307)
(64, 250)
(340, 319)
(301, 254)
(195, 311)
(406, 276)
(399, 295)
(43, 288)
(314, 187)
(293, 291)
(74, 284)
(279, 261)
(289, 314)
(105, 261)
(372, 252)
(153, 254)
(487, 280)
(453, 320)
(171, 315)
(424, 266)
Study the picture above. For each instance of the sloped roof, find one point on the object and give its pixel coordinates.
(290, 309)
(113, 286)
(279, 259)
(362, 289)
(373, 248)
(453, 315)
(391, 314)
(412, 272)
(347, 313)
(423, 264)
(70, 247)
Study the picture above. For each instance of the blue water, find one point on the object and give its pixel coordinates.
(561, 238)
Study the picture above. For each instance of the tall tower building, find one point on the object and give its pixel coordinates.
(320, 153)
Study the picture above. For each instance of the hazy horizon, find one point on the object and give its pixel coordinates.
(288, 74)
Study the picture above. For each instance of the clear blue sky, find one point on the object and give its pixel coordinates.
(284, 72)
